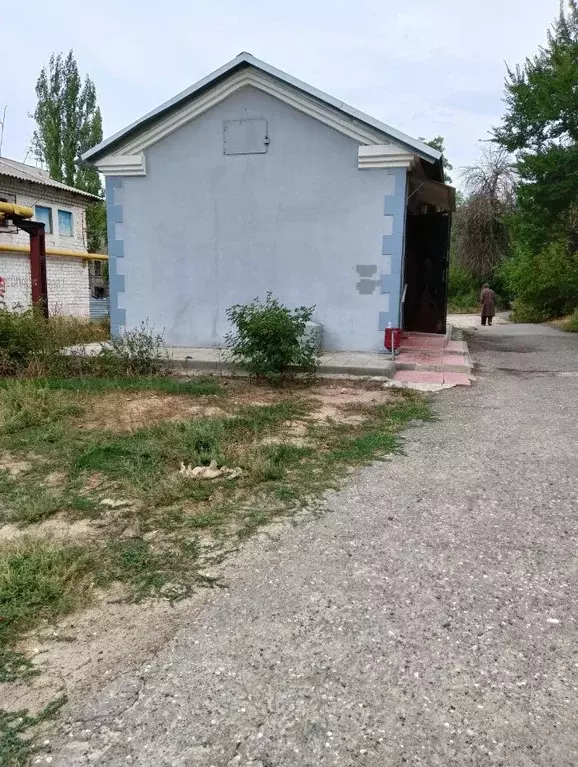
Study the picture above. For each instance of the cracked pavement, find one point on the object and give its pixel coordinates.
(428, 618)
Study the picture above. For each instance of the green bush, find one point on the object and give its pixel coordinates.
(545, 283)
(21, 338)
(269, 341)
(31, 343)
(463, 291)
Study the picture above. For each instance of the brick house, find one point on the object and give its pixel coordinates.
(63, 211)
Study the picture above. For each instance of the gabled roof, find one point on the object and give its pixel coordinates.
(243, 61)
(35, 175)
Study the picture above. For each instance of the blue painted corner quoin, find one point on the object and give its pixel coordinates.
(392, 245)
(114, 216)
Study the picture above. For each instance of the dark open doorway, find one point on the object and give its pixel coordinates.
(426, 261)
(426, 267)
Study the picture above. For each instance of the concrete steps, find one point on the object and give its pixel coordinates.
(432, 377)
(424, 359)
(452, 363)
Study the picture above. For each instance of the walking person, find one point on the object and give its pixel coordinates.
(488, 302)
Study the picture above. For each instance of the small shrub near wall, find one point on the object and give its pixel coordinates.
(29, 341)
(137, 352)
(32, 346)
(268, 340)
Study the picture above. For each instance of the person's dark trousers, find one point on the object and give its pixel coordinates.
(484, 318)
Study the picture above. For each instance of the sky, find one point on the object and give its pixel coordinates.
(424, 67)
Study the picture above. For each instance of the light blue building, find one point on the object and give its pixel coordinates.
(251, 181)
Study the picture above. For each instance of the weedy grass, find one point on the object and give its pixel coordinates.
(39, 580)
(24, 404)
(570, 323)
(166, 384)
(17, 745)
(167, 527)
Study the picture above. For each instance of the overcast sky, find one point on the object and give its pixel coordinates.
(424, 67)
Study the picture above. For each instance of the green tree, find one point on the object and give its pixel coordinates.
(439, 143)
(68, 122)
(541, 127)
(545, 282)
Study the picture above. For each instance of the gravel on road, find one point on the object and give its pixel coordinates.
(429, 618)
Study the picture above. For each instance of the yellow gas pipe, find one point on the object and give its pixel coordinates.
(7, 208)
(5, 248)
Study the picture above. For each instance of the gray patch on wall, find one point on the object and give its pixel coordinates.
(366, 287)
(366, 270)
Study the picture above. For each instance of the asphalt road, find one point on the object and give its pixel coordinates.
(429, 619)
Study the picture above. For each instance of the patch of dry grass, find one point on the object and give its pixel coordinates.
(111, 474)
(129, 411)
(568, 324)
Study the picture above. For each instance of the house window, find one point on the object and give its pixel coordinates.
(44, 216)
(65, 223)
(97, 268)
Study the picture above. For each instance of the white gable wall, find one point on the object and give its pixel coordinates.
(203, 230)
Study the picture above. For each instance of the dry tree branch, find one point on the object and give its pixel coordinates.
(480, 232)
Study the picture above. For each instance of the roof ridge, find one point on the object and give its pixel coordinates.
(244, 58)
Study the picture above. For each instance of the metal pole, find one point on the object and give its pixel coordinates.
(43, 277)
(38, 268)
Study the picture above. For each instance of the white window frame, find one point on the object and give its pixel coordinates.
(71, 214)
(51, 217)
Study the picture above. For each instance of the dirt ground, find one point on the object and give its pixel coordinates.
(129, 411)
(81, 653)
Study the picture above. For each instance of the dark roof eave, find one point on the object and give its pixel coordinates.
(69, 190)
